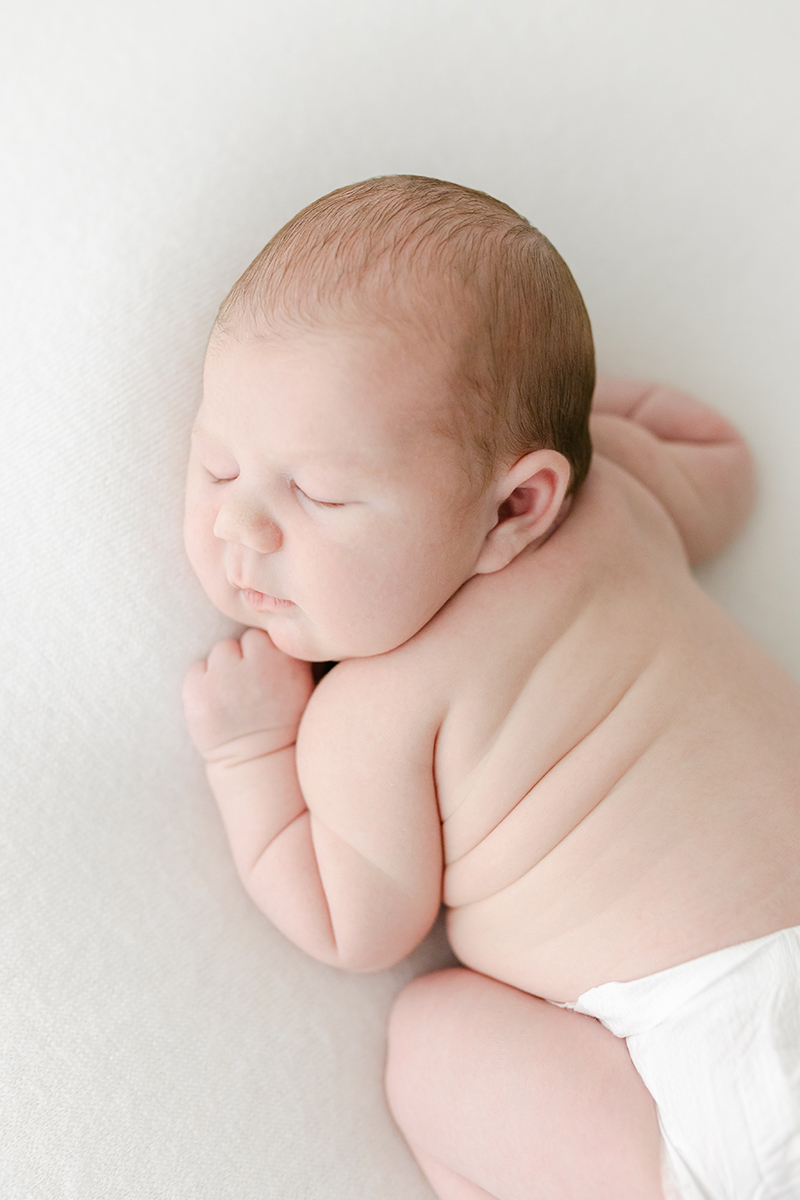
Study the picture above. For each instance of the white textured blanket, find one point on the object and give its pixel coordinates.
(159, 1039)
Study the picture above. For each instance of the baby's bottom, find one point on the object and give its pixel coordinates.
(502, 1096)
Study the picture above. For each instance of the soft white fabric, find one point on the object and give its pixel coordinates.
(717, 1042)
(159, 1040)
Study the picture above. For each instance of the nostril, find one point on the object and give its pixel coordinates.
(269, 537)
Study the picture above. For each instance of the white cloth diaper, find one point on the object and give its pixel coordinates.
(717, 1042)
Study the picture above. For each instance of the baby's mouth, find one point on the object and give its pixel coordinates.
(261, 602)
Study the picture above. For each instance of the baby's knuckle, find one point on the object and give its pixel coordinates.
(224, 651)
(253, 640)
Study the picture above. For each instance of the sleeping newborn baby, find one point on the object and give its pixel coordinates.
(536, 715)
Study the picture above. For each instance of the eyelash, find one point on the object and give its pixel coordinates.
(319, 503)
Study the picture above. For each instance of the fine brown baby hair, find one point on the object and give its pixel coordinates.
(455, 264)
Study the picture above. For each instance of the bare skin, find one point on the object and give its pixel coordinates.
(561, 736)
(500, 1094)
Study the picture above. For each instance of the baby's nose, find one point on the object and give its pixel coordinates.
(247, 526)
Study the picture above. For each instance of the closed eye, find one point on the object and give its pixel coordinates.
(319, 503)
(222, 479)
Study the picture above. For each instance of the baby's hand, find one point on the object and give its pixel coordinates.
(246, 699)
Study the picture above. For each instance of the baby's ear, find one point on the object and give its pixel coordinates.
(528, 499)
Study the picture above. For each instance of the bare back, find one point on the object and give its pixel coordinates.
(618, 770)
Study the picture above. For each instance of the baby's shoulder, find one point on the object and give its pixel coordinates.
(402, 693)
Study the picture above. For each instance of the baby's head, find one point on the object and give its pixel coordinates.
(396, 398)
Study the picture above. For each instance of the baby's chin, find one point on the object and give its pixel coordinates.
(295, 636)
(300, 640)
(293, 640)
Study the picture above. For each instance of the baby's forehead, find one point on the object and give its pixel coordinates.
(376, 354)
(356, 384)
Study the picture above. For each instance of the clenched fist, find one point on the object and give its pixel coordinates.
(246, 699)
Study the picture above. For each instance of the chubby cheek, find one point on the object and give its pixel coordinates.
(371, 605)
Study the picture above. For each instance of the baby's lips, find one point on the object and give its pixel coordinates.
(262, 602)
(257, 600)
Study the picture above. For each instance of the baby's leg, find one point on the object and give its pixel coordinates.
(501, 1095)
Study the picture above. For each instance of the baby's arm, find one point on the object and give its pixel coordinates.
(349, 864)
(690, 457)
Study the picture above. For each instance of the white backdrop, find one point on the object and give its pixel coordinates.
(159, 1038)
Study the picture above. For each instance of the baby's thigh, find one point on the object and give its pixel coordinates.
(501, 1094)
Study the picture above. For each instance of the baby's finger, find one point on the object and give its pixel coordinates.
(224, 652)
(257, 643)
